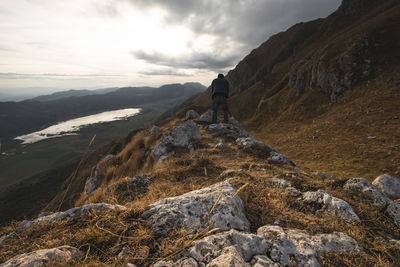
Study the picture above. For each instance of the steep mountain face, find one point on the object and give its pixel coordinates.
(328, 75)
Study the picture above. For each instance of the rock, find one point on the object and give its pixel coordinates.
(226, 129)
(233, 121)
(46, 257)
(128, 189)
(390, 185)
(191, 114)
(331, 205)
(155, 130)
(229, 257)
(368, 190)
(184, 262)
(181, 136)
(206, 117)
(297, 248)
(211, 247)
(397, 201)
(378, 199)
(220, 145)
(252, 145)
(191, 211)
(82, 211)
(94, 182)
(325, 175)
(279, 183)
(262, 261)
(280, 158)
(5, 237)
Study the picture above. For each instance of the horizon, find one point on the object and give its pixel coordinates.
(50, 46)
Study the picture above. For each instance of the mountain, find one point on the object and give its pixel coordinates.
(31, 115)
(71, 93)
(319, 106)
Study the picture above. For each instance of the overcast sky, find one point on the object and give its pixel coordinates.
(76, 44)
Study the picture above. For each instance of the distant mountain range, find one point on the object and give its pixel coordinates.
(34, 114)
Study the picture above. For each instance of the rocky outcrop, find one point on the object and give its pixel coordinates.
(155, 130)
(280, 159)
(207, 118)
(390, 185)
(191, 114)
(181, 136)
(379, 200)
(127, 189)
(228, 130)
(194, 210)
(327, 204)
(252, 145)
(94, 182)
(46, 257)
(271, 246)
(82, 211)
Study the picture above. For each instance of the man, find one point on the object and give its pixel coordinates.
(220, 94)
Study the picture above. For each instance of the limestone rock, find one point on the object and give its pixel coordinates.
(233, 121)
(228, 130)
(220, 145)
(191, 114)
(94, 182)
(252, 145)
(46, 257)
(281, 183)
(181, 136)
(325, 175)
(191, 210)
(183, 262)
(331, 205)
(211, 247)
(378, 199)
(206, 117)
(301, 249)
(155, 130)
(230, 257)
(72, 213)
(390, 185)
(262, 261)
(280, 158)
(128, 189)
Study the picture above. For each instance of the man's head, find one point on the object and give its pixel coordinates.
(220, 75)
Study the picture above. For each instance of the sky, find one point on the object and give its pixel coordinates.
(53, 45)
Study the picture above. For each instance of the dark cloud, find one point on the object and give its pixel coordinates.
(194, 60)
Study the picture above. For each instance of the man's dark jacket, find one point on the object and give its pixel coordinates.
(220, 86)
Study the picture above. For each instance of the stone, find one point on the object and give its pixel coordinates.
(279, 183)
(297, 248)
(226, 129)
(379, 199)
(331, 205)
(388, 184)
(206, 117)
(233, 121)
(191, 210)
(252, 145)
(191, 114)
(220, 145)
(183, 262)
(94, 182)
(325, 175)
(46, 257)
(7, 236)
(155, 130)
(82, 211)
(181, 136)
(211, 247)
(262, 261)
(280, 158)
(368, 190)
(128, 189)
(230, 257)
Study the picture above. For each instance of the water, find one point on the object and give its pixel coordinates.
(73, 126)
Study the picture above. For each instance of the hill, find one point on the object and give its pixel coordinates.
(71, 93)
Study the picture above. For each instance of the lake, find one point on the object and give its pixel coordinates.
(72, 127)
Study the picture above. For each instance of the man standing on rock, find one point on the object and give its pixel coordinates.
(220, 94)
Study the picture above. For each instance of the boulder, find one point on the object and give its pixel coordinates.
(331, 205)
(263, 261)
(252, 145)
(230, 257)
(191, 114)
(82, 211)
(181, 136)
(283, 184)
(220, 145)
(46, 257)
(192, 210)
(94, 182)
(297, 248)
(390, 185)
(226, 129)
(378, 199)
(280, 158)
(155, 130)
(128, 189)
(206, 117)
(325, 175)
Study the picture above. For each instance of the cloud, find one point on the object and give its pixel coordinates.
(48, 76)
(165, 72)
(194, 60)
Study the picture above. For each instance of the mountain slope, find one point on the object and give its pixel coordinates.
(334, 80)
